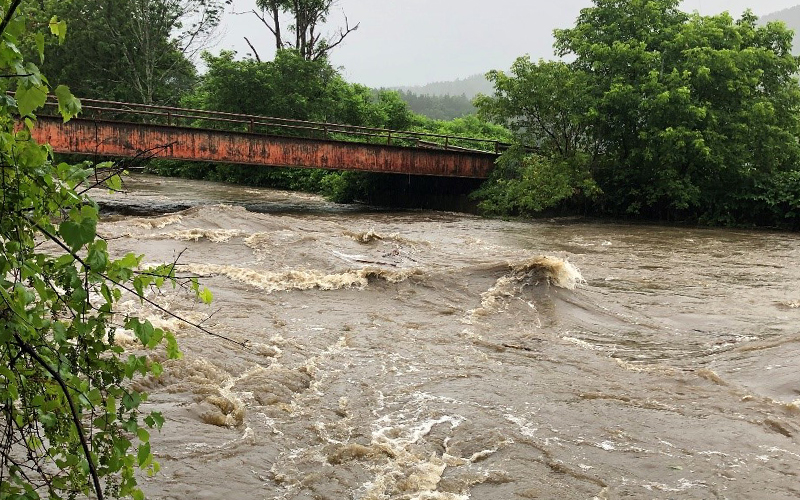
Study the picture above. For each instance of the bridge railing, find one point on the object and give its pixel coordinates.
(197, 118)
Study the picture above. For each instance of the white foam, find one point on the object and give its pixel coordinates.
(159, 222)
(525, 428)
(417, 476)
(683, 485)
(580, 343)
(300, 279)
(606, 445)
(212, 235)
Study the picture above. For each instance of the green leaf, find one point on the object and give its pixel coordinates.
(143, 455)
(130, 260)
(111, 406)
(97, 258)
(68, 105)
(30, 98)
(58, 28)
(114, 183)
(173, 352)
(154, 468)
(143, 435)
(143, 330)
(78, 234)
(131, 400)
(94, 397)
(206, 296)
(39, 40)
(32, 154)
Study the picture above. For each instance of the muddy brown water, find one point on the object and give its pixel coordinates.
(440, 356)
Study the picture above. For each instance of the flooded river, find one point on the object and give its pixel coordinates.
(438, 356)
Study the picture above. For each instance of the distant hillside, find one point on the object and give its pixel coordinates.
(790, 17)
(438, 107)
(468, 87)
(464, 90)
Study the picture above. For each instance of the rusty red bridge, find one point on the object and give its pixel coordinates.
(116, 129)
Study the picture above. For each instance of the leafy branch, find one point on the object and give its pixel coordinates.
(131, 289)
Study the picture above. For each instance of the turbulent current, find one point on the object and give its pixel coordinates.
(438, 356)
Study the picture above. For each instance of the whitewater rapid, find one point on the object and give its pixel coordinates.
(438, 356)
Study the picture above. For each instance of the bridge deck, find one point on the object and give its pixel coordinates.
(128, 130)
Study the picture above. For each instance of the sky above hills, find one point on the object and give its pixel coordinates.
(411, 42)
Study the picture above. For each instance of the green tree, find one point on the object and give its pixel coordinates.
(130, 50)
(545, 105)
(70, 424)
(675, 115)
(287, 87)
(291, 86)
(525, 183)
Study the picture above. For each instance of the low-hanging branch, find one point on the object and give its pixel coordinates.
(50, 236)
(24, 346)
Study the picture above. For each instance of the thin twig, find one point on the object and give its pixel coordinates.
(120, 167)
(211, 315)
(175, 261)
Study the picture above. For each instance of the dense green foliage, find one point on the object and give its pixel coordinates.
(791, 18)
(660, 114)
(445, 107)
(70, 424)
(291, 86)
(128, 50)
(469, 126)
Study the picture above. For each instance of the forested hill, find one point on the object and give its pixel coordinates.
(791, 17)
(446, 100)
(453, 99)
(477, 84)
(469, 87)
(438, 107)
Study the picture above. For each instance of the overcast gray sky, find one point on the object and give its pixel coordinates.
(411, 42)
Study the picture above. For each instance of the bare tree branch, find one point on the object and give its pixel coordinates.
(306, 17)
(255, 52)
(342, 35)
